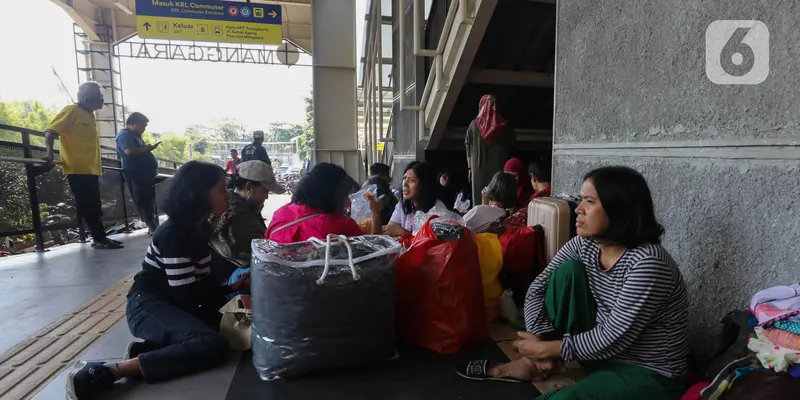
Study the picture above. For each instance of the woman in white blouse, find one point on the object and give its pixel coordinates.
(420, 190)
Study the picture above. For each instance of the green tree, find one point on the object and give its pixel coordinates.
(174, 146)
(231, 130)
(283, 131)
(305, 143)
(26, 114)
(15, 211)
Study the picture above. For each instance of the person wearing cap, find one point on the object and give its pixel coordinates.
(255, 150)
(242, 222)
(76, 126)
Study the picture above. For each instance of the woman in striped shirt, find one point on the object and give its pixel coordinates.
(612, 298)
(173, 303)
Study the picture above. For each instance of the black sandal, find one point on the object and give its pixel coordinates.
(106, 245)
(477, 370)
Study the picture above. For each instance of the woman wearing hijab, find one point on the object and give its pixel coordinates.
(489, 141)
(519, 171)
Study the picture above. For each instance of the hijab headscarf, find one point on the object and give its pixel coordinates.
(489, 121)
(524, 187)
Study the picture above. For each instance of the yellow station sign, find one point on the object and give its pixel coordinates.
(209, 21)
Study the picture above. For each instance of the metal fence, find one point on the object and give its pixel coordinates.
(37, 209)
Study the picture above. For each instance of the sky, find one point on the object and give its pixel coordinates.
(173, 94)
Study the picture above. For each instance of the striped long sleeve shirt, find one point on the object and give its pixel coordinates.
(642, 308)
(177, 265)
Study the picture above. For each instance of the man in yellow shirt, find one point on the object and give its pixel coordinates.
(80, 156)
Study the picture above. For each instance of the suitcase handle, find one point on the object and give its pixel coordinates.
(325, 270)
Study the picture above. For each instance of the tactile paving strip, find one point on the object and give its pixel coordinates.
(33, 363)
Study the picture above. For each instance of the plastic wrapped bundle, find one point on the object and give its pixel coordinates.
(322, 305)
(421, 218)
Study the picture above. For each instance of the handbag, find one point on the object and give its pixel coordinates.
(235, 326)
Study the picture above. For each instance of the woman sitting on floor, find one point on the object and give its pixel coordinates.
(173, 303)
(612, 299)
(420, 191)
(540, 181)
(234, 230)
(519, 171)
(319, 206)
(498, 200)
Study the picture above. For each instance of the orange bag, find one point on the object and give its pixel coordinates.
(440, 302)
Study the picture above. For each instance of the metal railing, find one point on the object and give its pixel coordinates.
(23, 152)
(458, 11)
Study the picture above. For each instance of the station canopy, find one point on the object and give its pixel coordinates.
(88, 15)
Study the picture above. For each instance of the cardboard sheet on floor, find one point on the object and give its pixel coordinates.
(504, 335)
(417, 375)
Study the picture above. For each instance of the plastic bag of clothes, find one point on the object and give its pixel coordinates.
(420, 218)
(322, 305)
(359, 207)
(440, 303)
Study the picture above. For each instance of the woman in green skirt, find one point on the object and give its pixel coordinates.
(612, 299)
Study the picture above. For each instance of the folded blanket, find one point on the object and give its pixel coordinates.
(775, 304)
(791, 324)
(783, 338)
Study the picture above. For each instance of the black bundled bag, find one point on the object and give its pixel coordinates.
(322, 305)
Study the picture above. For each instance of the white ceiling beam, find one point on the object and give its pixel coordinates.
(84, 13)
(510, 78)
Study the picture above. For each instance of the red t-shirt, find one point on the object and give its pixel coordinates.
(230, 167)
(319, 226)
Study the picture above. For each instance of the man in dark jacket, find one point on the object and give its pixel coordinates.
(255, 150)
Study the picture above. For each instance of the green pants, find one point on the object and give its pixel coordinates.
(571, 308)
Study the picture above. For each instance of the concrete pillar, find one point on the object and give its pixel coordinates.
(334, 74)
(722, 161)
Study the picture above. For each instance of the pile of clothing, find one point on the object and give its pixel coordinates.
(777, 341)
(759, 353)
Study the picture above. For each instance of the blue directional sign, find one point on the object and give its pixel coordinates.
(210, 21)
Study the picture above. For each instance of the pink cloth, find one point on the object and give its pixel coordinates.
(783, 338)
(694, 391)
(319, 227)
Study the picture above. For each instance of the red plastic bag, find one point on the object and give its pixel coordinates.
(439, 292)
(523, 260)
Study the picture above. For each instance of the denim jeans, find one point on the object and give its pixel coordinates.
(182, 343)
